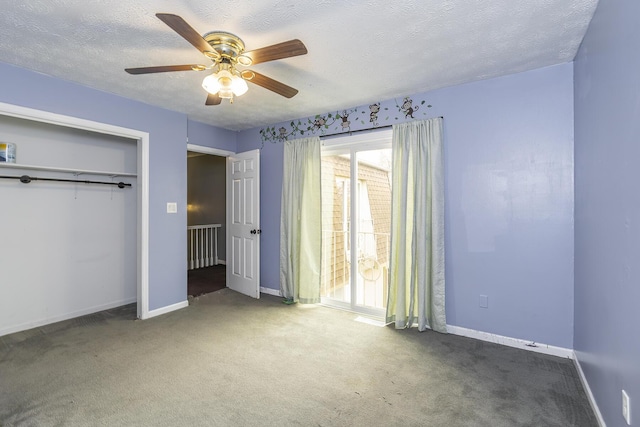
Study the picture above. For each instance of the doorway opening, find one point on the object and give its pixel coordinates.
(356, 222)
(206, 223)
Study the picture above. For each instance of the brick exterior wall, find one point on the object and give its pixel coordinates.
(335, 170)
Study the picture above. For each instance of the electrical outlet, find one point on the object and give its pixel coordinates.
(626, 407)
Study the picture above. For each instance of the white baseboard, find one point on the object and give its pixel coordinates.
(587, 389)
(512, 342)
(222, 261)
(270, 291)
(167, 309)
(48, 320)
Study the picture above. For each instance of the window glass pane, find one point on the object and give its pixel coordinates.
(336, 219)
(373, 227)
(356, 224)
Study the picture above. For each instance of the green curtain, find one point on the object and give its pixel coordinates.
(301, 221)
(416, 271)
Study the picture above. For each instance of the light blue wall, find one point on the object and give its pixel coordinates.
(210, 136)
(167, 161)
(509, 199)
(607, 238)
(509, 190)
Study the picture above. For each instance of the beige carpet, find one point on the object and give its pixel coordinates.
(229, 360)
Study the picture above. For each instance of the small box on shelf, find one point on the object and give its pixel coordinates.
(7, 152)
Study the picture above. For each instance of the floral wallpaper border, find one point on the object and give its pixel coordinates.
(370, 116)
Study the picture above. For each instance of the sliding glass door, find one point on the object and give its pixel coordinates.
(356, 223)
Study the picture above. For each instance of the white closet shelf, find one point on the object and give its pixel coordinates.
(66, 170)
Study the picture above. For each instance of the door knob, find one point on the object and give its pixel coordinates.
(254, 231)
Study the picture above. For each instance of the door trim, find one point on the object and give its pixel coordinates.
(209, 150)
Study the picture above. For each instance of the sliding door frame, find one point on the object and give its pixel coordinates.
(352, 145)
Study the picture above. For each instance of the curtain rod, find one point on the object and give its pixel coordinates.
(366, 130)
(25, 179)
(356, 131)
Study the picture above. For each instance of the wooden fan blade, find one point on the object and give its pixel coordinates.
(269, 83)
(164, 69)
(181, 27)
(213, 99)
(277, 51)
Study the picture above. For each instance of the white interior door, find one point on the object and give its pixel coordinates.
(243, 223)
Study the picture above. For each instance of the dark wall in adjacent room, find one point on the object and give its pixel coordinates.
(206, 194)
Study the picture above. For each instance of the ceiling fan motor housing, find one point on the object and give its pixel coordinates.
(226, 44)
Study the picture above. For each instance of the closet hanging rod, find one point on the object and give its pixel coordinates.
(25, 179)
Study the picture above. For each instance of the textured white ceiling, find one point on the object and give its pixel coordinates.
(359, 51)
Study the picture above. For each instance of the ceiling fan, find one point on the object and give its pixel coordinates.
(227, 51)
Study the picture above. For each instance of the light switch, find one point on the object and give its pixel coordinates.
(484, 301)
(172, 207)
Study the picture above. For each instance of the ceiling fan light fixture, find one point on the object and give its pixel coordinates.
(225, 93)
(225, 84)
(225, 78)
(211, 84)
(238, 85)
